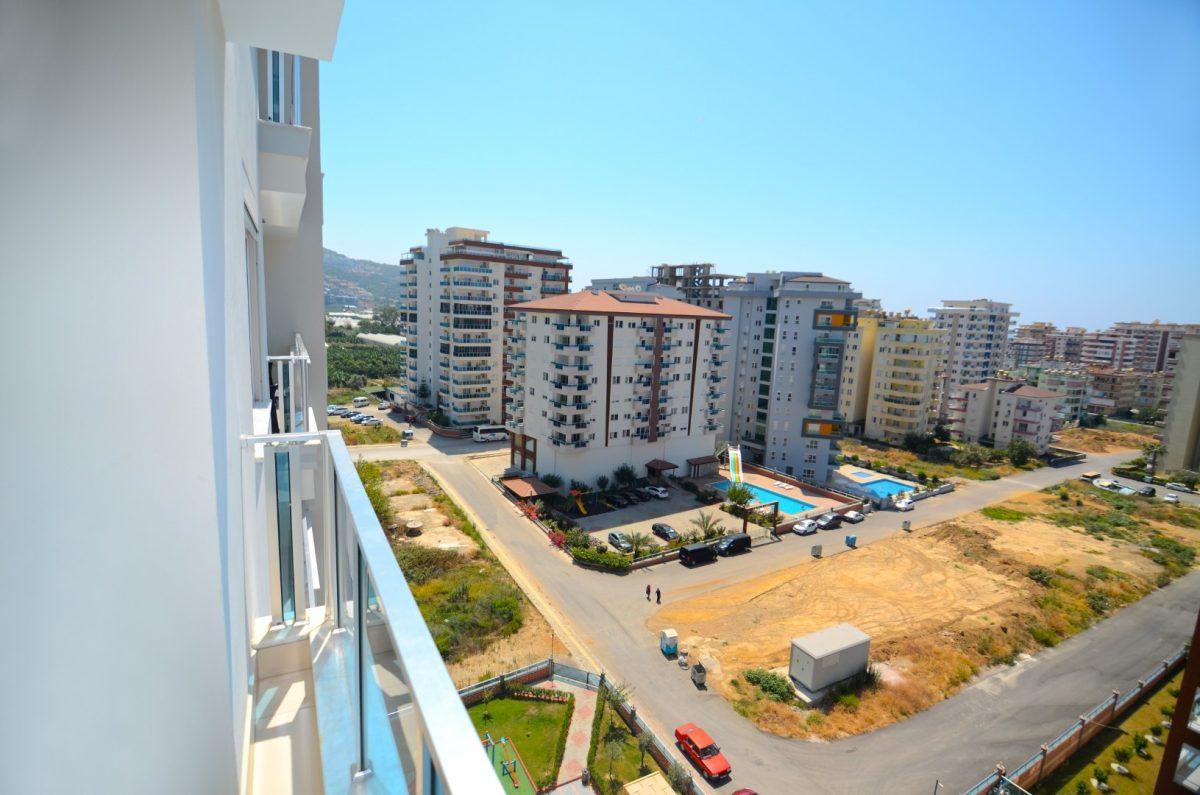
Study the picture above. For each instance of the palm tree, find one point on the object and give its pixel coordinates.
(739, 495)
(708, 525)
(639, 541)
(1152, 450)
(602, 483)
(625, 475)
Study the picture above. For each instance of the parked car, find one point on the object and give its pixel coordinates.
(1178, 486)
(697, 553)
(699, 747)
(372, 421)
(384, 406)
(734, 544)
(360, 401)
(1089, 476)
(633, 495)
(853, 517)
(361, 418)
(619, 542)
(1147, 491)
(804, 527)
(342, 411)
(904, 505)
(331, 409)
(658, 492)
(664, 531)
(617, 501)
(829, 521)
(1171, 498)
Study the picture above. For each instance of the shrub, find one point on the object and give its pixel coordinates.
(1099, 602)
(625, 475)
(552, 480)
(776, 687)
(371, 476)
(1081, 787)
(1156, 730)
(1043, 635)
(1166, 710)
(601, 558)
(849, 701)
(1039, 574)
(1100, 774)
(1000, 513)
(421, 564)
(739, 495)
(1020, 452)
(1140, 743)
(1122, 755)
(678, 778)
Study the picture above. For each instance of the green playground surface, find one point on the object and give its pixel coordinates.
(507, 763)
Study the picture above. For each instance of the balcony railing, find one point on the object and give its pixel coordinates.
(388, 711)
(289, 388)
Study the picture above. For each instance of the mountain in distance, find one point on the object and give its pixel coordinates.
(359, 283)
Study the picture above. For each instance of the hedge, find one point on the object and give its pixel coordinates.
(561, 748)
(597, 720)
(601, 559)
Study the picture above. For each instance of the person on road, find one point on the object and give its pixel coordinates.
(647, 592)
(657, 596)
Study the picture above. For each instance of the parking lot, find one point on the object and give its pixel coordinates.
(678, 511)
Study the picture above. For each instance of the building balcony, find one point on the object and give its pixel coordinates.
(573, 346)
(572, 404)
(571, 326)
(578, 424)
(471, 368)
(571, 366)
(568, 385)
(710, 427)
(283, 172)
(338, 600)
(515, 424)
(288, 375)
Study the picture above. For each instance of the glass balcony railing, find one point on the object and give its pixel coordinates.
(289, 388)
(389, 716)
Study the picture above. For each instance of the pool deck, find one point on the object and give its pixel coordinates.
(857, 473)
(820, 502)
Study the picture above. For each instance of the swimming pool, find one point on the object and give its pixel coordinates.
(885, 488)
(787, 505)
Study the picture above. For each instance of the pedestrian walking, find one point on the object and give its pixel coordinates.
(657, 596)
(647, 592)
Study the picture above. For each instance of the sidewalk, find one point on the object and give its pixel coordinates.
(579, 733)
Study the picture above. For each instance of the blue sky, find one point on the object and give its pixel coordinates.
(1042, 153)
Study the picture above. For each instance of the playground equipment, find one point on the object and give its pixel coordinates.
(735, 465)
(577, 494)
(507, 762)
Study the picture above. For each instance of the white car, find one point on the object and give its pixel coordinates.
(1172, 498)
(805, 527)
(331, 408)
(904, 505)
(658, 492)
(853, 517)
(1177, 487)
(384, 406)
(372, 421)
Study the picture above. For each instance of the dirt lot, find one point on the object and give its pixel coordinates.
(411, 493)
(1099, 440)
(941, 604)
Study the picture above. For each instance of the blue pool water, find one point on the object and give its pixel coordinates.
(787, 505)
(861, 474)
(885, 488)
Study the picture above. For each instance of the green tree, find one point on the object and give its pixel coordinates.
(707, 525)
(941, 432)
(388, 316)
(739, 495)
(423, 391)
(678, 777)
(625, 475)
(640, 541)
(1020, 452)
(1152, 450)
(970, 455)
(602, 483)
(552, 480)
(645, 741)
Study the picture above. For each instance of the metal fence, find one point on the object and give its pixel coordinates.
(1056, 752)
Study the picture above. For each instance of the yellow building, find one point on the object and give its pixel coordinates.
(903, 378)
(858, 356)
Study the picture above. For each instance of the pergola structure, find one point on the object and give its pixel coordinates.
(658, 467)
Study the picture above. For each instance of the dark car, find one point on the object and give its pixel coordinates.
(664, 531)
(617, 501)
(634, 496)
(1147, 491)
(734, 544)
(829, 521)
(620, 542)
(697, 553)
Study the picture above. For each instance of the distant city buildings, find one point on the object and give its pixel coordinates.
(788, 333)
(456, 315)
(697, 282)
(603, 379)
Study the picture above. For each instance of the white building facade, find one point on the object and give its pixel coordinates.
(177, 582)
(977, 338)
(605, 379)
(788, 332)
(998, 411)
(456, 316)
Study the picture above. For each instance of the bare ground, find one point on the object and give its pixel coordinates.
(1099, 440)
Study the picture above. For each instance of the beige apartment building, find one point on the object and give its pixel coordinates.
(976, 342)
(1181, 436)
(602, 379)
(1112, 391)
(999, 410)
(1070, 382)
(457, 313)
(889, 370)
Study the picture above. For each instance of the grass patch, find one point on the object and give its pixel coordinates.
(1002, 514)
(1114, 742)
(614, 757)
(539, 729)
(364, 434)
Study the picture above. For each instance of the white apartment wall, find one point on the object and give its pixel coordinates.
(125, 183)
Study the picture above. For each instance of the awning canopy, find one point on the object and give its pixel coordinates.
(525, 488)
(658, 465)
(704, 459)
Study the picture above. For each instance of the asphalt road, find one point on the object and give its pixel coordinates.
(1003, 717)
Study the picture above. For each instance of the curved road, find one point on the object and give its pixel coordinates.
(1002, 717)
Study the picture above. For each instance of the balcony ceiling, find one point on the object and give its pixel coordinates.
(283, 173)
(301, 27)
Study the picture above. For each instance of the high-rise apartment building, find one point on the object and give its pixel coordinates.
(976, 346)
(1156, 344)
(1066, 344)
(1111, 391)
(998, 411)
(457, 314)
(604, 379)
(1070, 382)
(858, 357)
(217, 608)
(637, 284)
(789, 330)
(1181, 435)
(699, 285)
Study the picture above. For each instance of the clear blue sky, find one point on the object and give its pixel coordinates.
(1043, 153)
